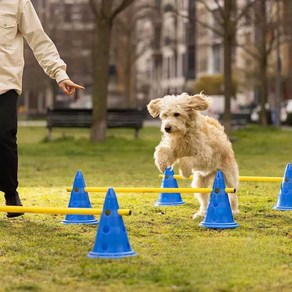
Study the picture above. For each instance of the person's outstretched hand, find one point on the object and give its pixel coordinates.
(69, 86)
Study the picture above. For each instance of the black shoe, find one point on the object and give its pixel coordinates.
(13, 200)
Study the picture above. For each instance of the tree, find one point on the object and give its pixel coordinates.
(105, 12)
(263, 52)
(287, 34)
(228, 42)
(267, 37)
(131, 44)
(227, 17)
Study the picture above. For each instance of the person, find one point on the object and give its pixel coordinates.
(19, 21)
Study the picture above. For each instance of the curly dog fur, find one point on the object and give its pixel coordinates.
(197, 143)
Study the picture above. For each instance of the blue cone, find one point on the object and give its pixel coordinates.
(169, 199)
(79, 199)
(284, 202)
(111, 239)
(219, 214)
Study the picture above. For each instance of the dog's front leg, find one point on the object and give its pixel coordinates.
(163, 158)
(185, 166)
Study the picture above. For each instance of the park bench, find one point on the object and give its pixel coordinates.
(81, 118)
(237, 119)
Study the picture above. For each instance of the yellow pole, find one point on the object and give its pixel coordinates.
(241, 178)
(62, 211)
(261, 178)
(152, 190)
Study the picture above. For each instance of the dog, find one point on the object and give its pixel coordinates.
(196, 142)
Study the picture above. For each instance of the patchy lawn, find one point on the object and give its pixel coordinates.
(38, 253)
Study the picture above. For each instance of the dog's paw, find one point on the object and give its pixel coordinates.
(161, 165)
(199, 214)
(234, 212)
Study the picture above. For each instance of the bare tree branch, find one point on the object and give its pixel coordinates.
(94, 8)
(220, 8)
(139, 54)
(247, 50)
(123, 5)
(209, 9)
(204, 24)
(270, 44)
(244, 11)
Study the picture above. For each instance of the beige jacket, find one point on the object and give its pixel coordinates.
(19, 20)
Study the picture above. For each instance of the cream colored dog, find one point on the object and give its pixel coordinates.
(196, 142)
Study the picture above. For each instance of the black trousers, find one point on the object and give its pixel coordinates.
(8, 143)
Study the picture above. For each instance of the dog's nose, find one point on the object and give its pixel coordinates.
(167, 129)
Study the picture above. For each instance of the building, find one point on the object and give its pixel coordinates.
(247, 49)
(168, 65)
(71, 26)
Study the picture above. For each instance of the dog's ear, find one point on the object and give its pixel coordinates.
(154, 107)
(198, 102)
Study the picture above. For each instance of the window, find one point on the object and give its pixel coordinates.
(191, 62)
(168, 68)
(203, 64)
(68, 12)
(217, 58)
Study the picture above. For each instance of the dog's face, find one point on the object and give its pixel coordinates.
(177, 111)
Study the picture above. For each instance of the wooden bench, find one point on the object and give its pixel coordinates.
(237, 119)
(81, 118)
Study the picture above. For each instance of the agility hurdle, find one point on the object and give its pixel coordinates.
(61, 211)
(241, 178)
(151, 190)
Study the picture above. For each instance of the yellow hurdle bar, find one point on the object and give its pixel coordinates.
(62, 211)
(151, 190)
(241, 178)
(261, 178)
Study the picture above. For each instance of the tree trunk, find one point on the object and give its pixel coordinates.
(262, 43)
(227, 43)
(157, 55)
(128, 70)
(100, 82)
(227, 84)
(263, 90)
(288, 24)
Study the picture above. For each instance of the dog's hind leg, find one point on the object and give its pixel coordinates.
(231, 180)
(201, 181)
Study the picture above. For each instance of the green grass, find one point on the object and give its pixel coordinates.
(38, 253)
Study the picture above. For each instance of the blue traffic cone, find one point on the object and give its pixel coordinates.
(79, 199)
(169, 199)
(219, 214)
(111, 239)
(284, 202)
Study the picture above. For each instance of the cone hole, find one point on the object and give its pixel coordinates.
(286, 179)
(76, 189)
(106, 229)
(215, 204)
(107, 212)
(166, 176)
(217, 190)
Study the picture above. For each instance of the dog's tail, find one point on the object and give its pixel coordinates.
(214, 123)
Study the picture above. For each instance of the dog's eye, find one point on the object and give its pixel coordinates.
(176, 114)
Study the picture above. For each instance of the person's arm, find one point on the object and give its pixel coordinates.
(43, 48)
